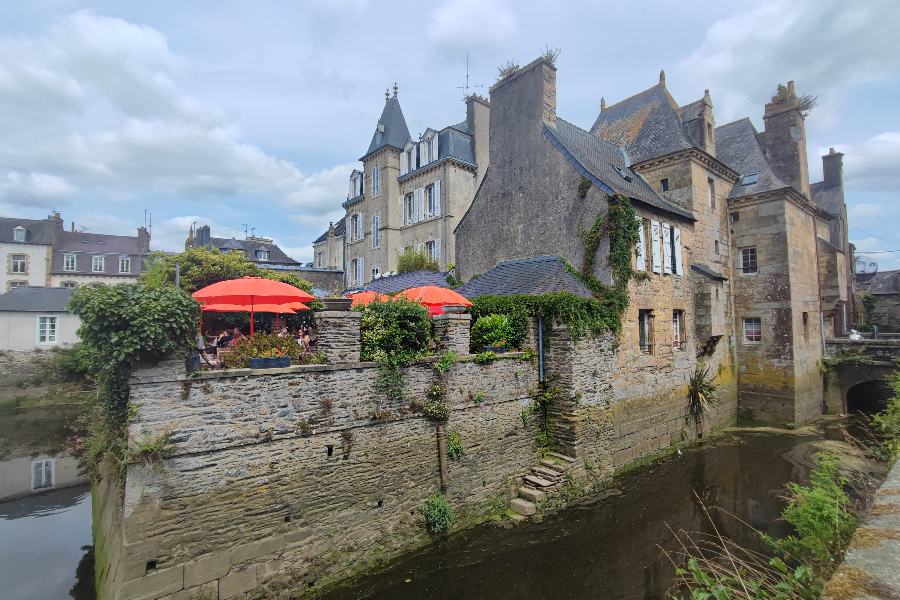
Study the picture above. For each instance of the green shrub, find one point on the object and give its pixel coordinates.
(411, 260)
(262, 345)
(454, 444)
(702, 392)
(491, 330)
(77, 362)
(887, 422)
(436, 514)
(485, 358)
(399, 330)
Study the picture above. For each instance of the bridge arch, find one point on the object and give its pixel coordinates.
(869, 397)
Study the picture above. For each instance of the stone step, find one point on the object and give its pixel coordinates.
(568, 459)
(523, 507)
(537, 482)
(517, 518)
(532, 494)
(545, 473)
(552, 465)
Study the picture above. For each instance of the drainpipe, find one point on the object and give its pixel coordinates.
(442, 456)
(177, 276)
(540, 350)
(444, 209)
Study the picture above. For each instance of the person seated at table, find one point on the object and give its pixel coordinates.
(304, 338)
(237, 334)
(210, 360)
(283, 332)
(225, 338)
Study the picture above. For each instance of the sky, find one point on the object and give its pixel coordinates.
(253, 114)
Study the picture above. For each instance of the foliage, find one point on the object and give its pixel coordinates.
(507, 69)
(436, 405)
(823, 516)
(485, 358)
(79, 361)
(454, 445)
(151, 451)
(702, 392)
(887, 422)
(446, 360)
(551, 54)
(261, 345)
(411, 260)
(584, 187)
(453, 280)
(868, 302)
(200, 267)
(436, 513)
(491, 330)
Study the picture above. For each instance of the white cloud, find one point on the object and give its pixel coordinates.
(822, 45)
(873, 164)
(472, 24)
(37, 189)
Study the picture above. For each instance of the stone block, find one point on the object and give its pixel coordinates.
(532, 495)
(523, 507)
(154, 585)
(257, 549)
(207, 568)
(207, 591)
(237, 583)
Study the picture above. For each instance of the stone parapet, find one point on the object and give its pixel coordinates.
(454, 332)
(339, 335)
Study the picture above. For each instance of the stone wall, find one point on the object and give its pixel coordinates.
(20, 368)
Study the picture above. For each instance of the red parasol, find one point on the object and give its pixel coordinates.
(251, 291)
(431, 295)
(363, 298)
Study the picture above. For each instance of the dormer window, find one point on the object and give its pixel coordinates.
(356, 184)
(428, 148)
(20, 233)
(262, 255)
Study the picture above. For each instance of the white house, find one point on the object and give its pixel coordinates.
(36, 318)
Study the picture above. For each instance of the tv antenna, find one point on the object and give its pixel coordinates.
(468, 86)
(245, 230)
(148, 221)
(253, 232)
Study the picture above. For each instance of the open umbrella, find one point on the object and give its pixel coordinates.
(251, 291)
(363, 298)
(431, 295)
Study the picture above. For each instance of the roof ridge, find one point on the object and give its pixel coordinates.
(611, 106)
(733, 122)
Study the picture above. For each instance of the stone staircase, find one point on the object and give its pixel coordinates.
(545, 478)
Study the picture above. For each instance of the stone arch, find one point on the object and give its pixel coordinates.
(845, 377)
(869, 397)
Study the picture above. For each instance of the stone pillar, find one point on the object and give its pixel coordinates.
(454, 332)
(339, 335)
(531, 335)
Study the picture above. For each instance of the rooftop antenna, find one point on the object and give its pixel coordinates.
(467, 87)
(245, 230)
(84, 229)
(253, 232)
(145, 218)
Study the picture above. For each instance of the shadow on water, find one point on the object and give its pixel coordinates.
(611, 548)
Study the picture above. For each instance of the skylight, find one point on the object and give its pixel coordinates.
(750, 179)
(624, 175)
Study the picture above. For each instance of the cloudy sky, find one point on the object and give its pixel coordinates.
(230, 113)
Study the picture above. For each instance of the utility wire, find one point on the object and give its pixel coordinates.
(876, 237)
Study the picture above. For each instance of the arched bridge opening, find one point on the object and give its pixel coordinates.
(869, 397)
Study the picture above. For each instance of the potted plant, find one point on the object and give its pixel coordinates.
(489, 334)
(338, 304)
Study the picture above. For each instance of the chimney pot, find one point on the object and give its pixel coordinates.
(791, 88)
(602, 104)
(662, 78)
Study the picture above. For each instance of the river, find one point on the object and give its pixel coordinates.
(606, 546)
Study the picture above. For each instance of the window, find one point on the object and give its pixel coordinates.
(709, 133)
(375, 180)
(18, 263)
(433, 250)
(735, 217)
(748, 260)
(410, 209)
(375, 233)
(622, 173)
(716, 244)
(750, 179)
(42, 474)
(68, 284)
(677, 329)
(320, 259)
(356, 184)
(69, 262)
(375, 272)
(17, 284)
(664, 184)
(46, 330)
(97, 264)
(806, 327)
(711, 192)
(752, 330)
(125, 264)
(645, 330)
(20, 233)
(262, 255)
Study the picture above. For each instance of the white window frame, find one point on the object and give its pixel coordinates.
(68, 284)
(70, 262)
(262, 255)
(20, 234)
(756, 327)
(94, 262)
(677, 328)
(15, 262)
(375, 272)
(433, 250)
(51, 339)
(375, 180)
(645, 331)
(410, 208)
(126, 262)
(711, 192)
(47, 466)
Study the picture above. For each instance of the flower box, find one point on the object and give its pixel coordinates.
(274, 362)
(494, 349)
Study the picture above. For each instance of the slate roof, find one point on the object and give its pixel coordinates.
(526, 276)
(396, 133)
(828, 199)
(464, 127)
(339, 229)
(704, 270)
(36, 232)
(36, 299)
(884, 282)
(452, 144)
(276, 255)
(398, 283)
(97, 242)
(597, 160)
(737, 145)
(647, 125)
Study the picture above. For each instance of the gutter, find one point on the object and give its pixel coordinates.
(444, 209)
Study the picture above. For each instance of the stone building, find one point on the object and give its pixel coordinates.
(328, 249)
(732, 237)
(884, 291)
(412, 192)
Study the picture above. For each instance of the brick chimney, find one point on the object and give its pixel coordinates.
(833, 168)
(521, 103)
(785, 136)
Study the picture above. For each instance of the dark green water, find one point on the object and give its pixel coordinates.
(611, 548)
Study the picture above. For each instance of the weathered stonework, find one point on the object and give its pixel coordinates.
(339, 336)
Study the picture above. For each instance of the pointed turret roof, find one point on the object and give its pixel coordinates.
(395, 133)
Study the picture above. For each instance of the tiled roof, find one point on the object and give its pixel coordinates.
(598, 160)
(452, 144)
(738, 147)
(526, 276)
(36, 232)
(463, 127)
(36, 299)
(276, 255)
(828, 199)
(704, 270)
(398, 283)
(396, 133)
(97, 242)
(884, 282)
(338, 231)
(647, 125)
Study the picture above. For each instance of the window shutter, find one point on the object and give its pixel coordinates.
(437, 250)
(421, 205)
(654, 246)
(667, 248)
(423, 154)
(402, 164)
(676, 232)
(402, 210)
(362, 271)
(434, 146)
(362, 225)
(640, 251)
(437, 191)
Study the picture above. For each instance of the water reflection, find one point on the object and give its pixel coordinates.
(611, 549)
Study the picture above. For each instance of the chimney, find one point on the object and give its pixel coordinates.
(785, 136)
(833, 169)
(602, 104)
(143, 238)
(202, 237)
(478, 117)
(521, 103)
(73, 226)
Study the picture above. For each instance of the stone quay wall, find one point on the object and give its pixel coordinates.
(284, 478)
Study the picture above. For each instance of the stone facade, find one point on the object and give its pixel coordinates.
(328, 249)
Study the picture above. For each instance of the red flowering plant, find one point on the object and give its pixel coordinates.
(262, 345)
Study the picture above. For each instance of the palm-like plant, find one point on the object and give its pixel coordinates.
(702, 392)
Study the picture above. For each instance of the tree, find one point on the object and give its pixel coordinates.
(415, 260)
